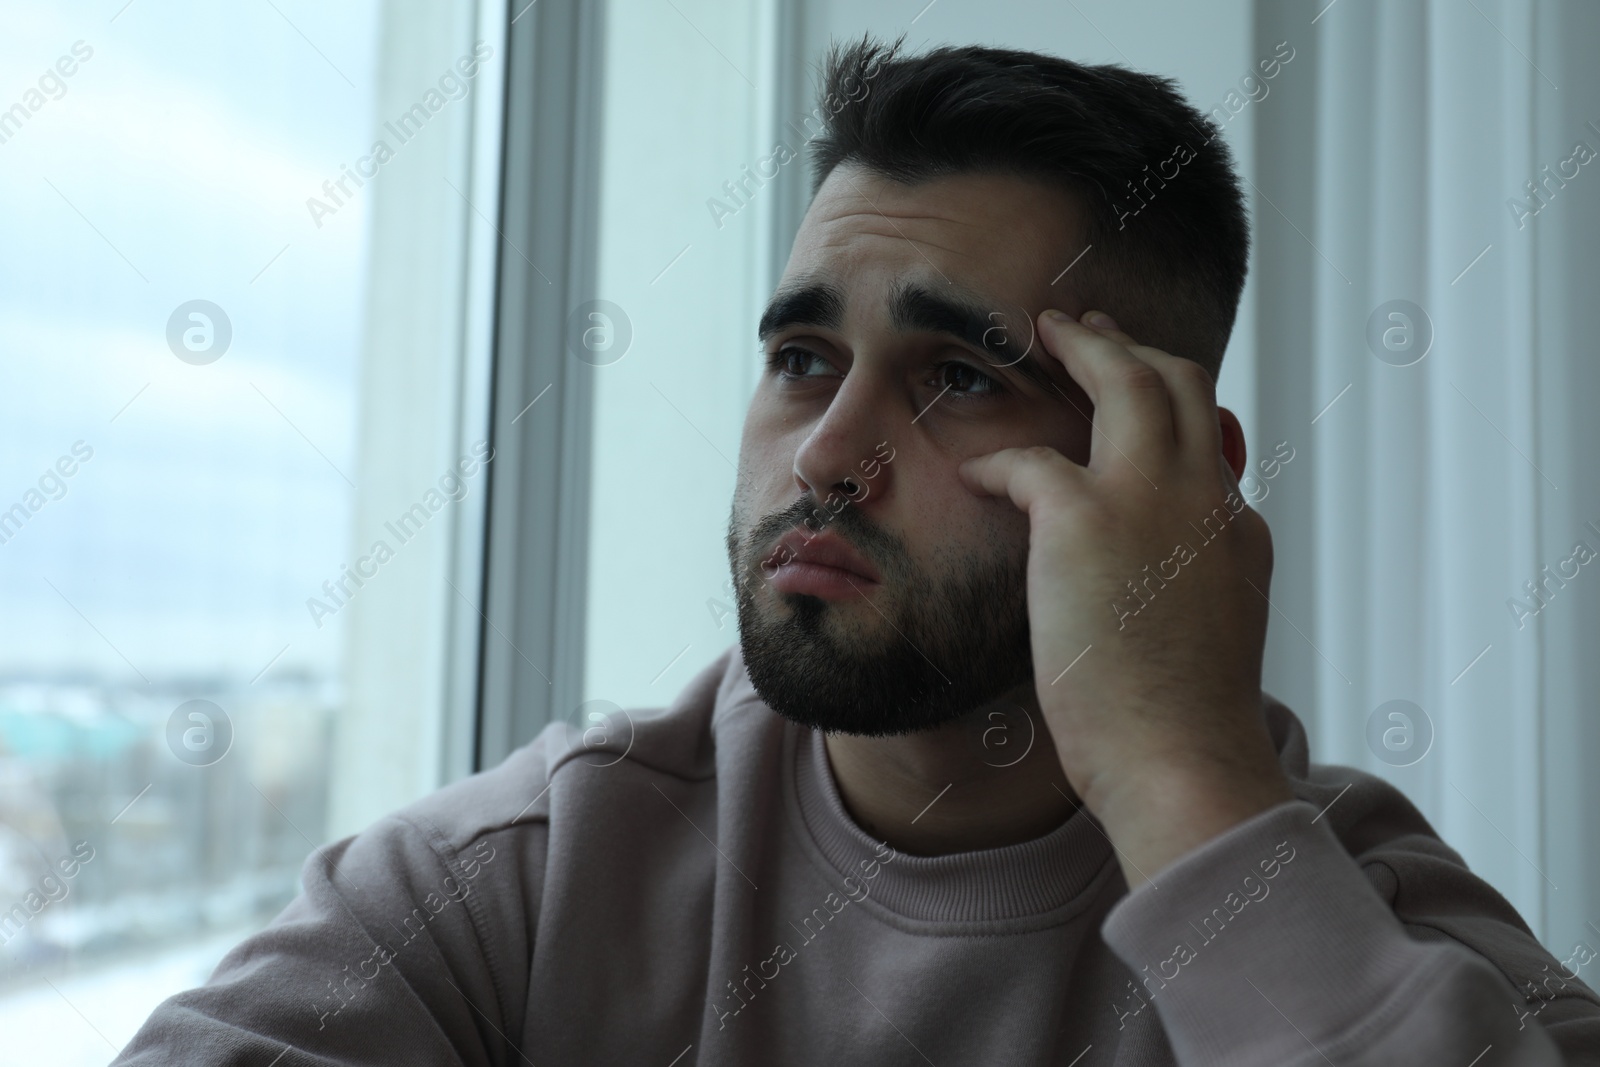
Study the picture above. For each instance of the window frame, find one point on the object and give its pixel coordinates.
(535, 555)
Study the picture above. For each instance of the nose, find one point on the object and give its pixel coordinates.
(847, 449)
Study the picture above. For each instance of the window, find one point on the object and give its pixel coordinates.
(244, 319)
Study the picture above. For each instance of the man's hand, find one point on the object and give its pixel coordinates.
(1147, 598)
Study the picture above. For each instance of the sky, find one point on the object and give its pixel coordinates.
(173, 165)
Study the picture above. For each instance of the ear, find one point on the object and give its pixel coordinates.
(1233, 445)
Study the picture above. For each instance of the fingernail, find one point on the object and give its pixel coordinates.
(1059, 316)
(1102, 320)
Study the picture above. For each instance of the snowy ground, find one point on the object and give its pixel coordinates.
(89, 1015)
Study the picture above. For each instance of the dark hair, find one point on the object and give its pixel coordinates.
(1169, 249)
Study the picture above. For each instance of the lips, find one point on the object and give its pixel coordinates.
(822, 550)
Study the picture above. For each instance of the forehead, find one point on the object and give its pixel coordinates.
(1007, 237)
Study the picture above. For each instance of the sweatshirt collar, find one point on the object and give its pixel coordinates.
(1049, 878)
(1033, 884)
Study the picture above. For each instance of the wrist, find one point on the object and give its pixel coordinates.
(1167, 809)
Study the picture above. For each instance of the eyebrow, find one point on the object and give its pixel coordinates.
(913, 307)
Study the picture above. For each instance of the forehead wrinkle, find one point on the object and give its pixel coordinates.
(840, 240)
(887, 215)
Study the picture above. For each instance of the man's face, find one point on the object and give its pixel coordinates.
(893, 347)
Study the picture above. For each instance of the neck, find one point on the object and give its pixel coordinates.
(985, 780)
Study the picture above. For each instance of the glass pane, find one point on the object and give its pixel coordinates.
(233, 330)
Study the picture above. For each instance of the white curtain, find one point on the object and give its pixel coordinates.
(1393, 163)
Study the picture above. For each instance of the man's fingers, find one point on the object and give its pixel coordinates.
(1116, 333)
(1132, 413)
(1027, 476)
(1191, 392)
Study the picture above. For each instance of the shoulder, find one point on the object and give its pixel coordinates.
(1425, 882)
(486, 839)
(679, 740)
(1370, 817)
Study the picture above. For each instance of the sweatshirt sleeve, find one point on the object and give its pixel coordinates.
(380, 960)
(1270, 944)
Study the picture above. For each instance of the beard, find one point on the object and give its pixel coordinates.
(929, 647)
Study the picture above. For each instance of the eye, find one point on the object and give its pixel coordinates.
(791, 363)
(963, 379)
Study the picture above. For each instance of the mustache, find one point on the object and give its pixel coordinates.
(878, 545)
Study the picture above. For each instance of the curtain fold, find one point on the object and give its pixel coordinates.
(1427, 275)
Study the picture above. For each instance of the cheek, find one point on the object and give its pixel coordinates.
(946, 516)
(766, 464)
(767, 449)
(767, 437)
(1002, 529)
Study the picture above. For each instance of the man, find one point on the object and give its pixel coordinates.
(990, 777)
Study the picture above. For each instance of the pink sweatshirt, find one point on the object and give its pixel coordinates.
(692, 891)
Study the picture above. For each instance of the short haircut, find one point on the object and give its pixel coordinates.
(1168, 251)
